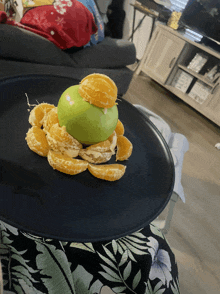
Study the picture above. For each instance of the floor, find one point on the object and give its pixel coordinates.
(195, 228)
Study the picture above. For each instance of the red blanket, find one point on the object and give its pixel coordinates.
(66, 23)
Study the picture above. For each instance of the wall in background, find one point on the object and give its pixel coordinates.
(141, 36)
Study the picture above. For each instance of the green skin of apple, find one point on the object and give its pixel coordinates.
(85, 122)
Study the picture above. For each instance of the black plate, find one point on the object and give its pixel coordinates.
(81, 208)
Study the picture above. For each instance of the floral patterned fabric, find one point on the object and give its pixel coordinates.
(141, 263)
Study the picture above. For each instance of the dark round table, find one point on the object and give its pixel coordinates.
(81, 208)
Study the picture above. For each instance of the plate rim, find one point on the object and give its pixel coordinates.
(145, 119)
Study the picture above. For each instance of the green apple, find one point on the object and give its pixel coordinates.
(87, 123)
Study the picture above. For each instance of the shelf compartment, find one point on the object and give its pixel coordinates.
(200, 92)
(202, 108)
(182, 80)
(196, 75)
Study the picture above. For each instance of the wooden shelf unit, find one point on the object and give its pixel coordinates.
(170, 51)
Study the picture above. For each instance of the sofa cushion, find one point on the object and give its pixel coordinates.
(20, 44)
(110, 53)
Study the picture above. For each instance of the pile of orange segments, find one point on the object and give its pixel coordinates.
(65, 154)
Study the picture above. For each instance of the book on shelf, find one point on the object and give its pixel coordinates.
(200, 92)
(213, 74)
(197, 63)
(182, 80)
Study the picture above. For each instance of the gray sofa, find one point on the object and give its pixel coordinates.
(23, 52)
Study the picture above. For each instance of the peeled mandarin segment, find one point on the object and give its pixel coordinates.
(60, 135)
(108, 172)
(124, 148)
(119, 128)
(113, 141)
(99, 90)
(54, 145)
(38, 114)
(94, 156)
(59, 140)
(37, 142)
(50, 119)
(62, 147)
(100, 147)
(66, 164)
